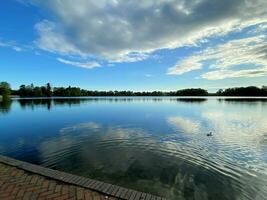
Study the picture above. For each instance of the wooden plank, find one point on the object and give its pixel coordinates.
(89, 183)
(133, 194)
(81, 181)
(76, 180)
(107, 186)
(93, 186)
(123, 193)
(66, 178)
(119, 192)
(115, 190)
(143, 196)
(102, 186)
(111, 189)
(72, 179)
(148, 197)
(153, 197)
(98, 185)
(128, 194)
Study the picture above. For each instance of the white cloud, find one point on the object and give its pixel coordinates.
(185, 124)
(222, 59)
(51, 40)
(186, 65)
(222, 74)
(127, 31)
(80, 127)
(17, 48)
(88, 65)
(11, 45)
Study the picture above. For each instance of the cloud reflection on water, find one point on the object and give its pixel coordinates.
(184, 124)
(134, 158)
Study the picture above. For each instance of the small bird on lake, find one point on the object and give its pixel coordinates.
(209, 134)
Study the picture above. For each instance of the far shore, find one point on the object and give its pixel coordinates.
(180, 97)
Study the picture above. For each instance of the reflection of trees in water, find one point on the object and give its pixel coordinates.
(191, 100)
(32, 103)
(247, 101)
(5, 105)
(243, 99)
(50, 102)
(68, 102)
(47, 102)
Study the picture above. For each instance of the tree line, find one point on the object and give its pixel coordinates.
(49, 91)
(243, 91)
(34, 91)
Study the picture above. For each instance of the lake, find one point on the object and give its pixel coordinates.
(157, 145)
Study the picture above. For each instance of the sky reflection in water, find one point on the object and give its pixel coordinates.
(156, 145)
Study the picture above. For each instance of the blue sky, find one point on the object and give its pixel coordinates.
(134, 45)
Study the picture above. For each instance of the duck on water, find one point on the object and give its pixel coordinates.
(209, 134)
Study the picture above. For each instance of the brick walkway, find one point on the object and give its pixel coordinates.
(19, 184)
(22, 180)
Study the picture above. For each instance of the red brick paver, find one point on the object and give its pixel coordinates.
(22, 185)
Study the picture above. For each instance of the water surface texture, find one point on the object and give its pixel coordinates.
(155, 145)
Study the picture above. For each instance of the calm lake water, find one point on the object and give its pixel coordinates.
(155, 145)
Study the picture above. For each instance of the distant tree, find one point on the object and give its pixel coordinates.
(43, 90)
(22, 91)
(5, 89)
(37, 92)
(32, 91)
(245, 91)
(48, 90)
(219, 92)
(191, 92)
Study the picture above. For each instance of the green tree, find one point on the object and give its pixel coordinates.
(37, 92)
(219, 92)
(5, 89)
(48, 90)
(22, 91)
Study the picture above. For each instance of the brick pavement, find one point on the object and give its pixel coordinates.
(22, 180)
(18, 184)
